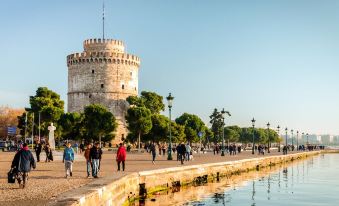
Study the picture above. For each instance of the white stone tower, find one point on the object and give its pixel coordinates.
(103, 74)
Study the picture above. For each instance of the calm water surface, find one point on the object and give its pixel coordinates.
(314, 181)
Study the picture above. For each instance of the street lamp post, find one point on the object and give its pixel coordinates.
(253, 124)
(268, 133)
(297, 140)
(302, 137)
(292, 139)
(279, 138)
(286, 141)
(307, 140)
(170, 100)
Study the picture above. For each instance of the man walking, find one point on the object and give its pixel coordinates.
(182, 152)
(153, 152)
(22, 163)
(38, 148)
(95, 156)
(88, 161)
(121, 156)
(68, 159)
(188, 151)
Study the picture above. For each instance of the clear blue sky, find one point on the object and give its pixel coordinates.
(276, 61)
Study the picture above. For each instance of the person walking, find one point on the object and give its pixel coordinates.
(95, 156)
(88, 161)
(22, 163)
(48, 151)
(37, 149)
(121, 156)
(182, 152)
(188, 151)
(153, 152)
(68, 159)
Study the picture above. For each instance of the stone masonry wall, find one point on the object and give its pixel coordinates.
(103, 74)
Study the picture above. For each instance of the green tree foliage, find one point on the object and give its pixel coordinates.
(178, 132)
(193, 125)
(217, 123)
(150, 100)
(71, 125)
(232, 133)
(98, 122)
(159, 130)
(50, 106)
(139, 122)
(245, 135)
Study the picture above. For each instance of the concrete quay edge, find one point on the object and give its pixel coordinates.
(109, 191)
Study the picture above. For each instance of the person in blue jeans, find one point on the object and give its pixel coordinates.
(68, 159)
(95, 156)
(88, 161)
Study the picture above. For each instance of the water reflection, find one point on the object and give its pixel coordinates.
(293, 184)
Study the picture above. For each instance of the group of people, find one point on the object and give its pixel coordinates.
(48, 151)
(232, 149)
(24, 161)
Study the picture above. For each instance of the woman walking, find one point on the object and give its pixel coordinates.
(121, 156)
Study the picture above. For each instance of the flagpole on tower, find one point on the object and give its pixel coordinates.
(103, 20)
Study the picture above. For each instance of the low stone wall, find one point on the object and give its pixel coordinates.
(108, 192)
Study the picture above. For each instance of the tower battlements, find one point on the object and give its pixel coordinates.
(100, 57)
(96, 45)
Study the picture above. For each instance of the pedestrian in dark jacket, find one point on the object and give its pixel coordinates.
(182, 152)
(121, 156)
(37, 149)
(153, 152)
(22, 163)
(49, 155)
(95, 157)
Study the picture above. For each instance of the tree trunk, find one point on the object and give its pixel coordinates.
(139, 141)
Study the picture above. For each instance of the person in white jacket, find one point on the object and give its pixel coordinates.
(188, 151)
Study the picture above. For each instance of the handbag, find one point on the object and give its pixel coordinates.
(11, 176)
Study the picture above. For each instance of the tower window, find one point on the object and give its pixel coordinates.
(92, 71)
(102, 85)
(130, 73)
(135, 88)
(123, 86)
(90, 96)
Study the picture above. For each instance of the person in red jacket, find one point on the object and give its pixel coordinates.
(121, 156)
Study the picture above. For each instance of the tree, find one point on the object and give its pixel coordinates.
(139, 122)
(159, 130)
(71, 125)
(232, 133)
(178, 132)
(150, 100)
(217, 125)
(98, 122)
(48, 104)
(193, 125)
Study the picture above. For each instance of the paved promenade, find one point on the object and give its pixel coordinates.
(48, 180)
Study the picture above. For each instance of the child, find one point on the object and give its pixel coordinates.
(68, 159)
